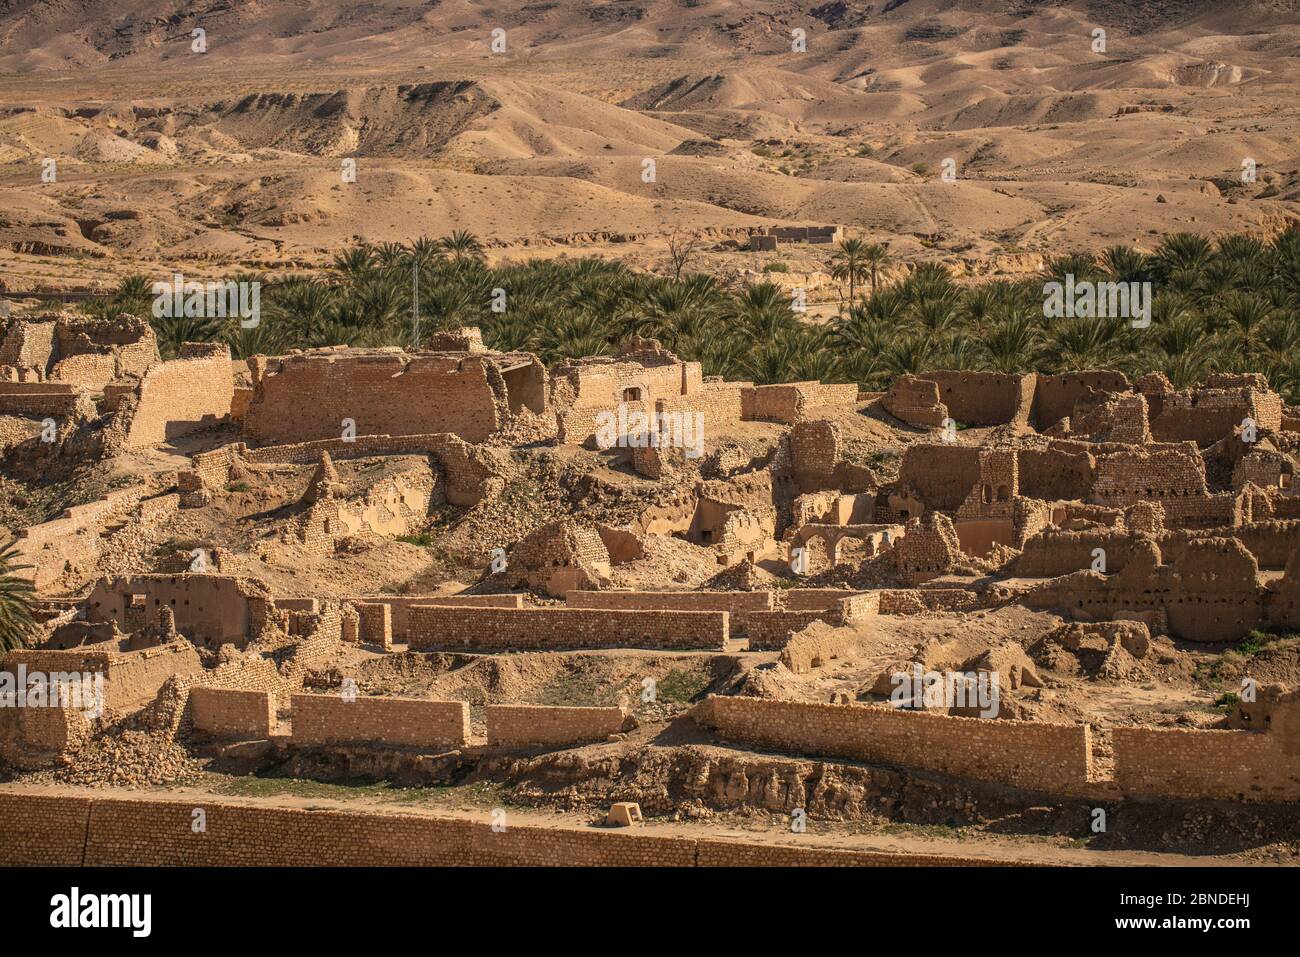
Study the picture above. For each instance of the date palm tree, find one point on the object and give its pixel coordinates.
(851, 262)
(16, 622)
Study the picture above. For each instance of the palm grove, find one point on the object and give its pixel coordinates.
(1231, 305)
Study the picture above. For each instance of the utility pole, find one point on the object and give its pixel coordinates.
(415, 302)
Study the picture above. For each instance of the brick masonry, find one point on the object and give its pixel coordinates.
(535, 724)
(553, 629)
(222, 712)
(395, 722)
(1032, 755)
(75, 831)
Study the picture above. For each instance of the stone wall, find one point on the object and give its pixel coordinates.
(985, 398)
(225, 713)
(737, 604)
(1206, 764)
(509, 725)
(562, 629)
(210, 609)
(187, 394)
(818, 644)
(1032, 755)
(307, 396)
(320, 719)
(401, 605)
(73, 831)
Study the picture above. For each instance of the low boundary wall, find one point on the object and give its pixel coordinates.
(75, 831)
(509, 724)
(1209, 764)
(457, 628)
(320, 719)
(738, 604)
(1026, 754)
(401, 605)
(224, 712)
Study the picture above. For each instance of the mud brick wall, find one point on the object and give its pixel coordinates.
(307, 397)
(226, 713)
(509, 724)
(134, 677)
(1271, 542)
(1205, 416)
(915, 401)
(131, 678)
(818, 645)
(737, 604)
(985, 398)
(397, 722)
(791, 402)
(712, 853)
(1056, 473)
(1210, 511)
(435, 628)
(814, 599)
(182, 396)
(1033, 755)
(721, 403)
(915, 601)
(42, 737)
(401, 605)
(942, 475)
(772, 630)
(39, 398)
(1213, 765)
(376, 624)
(1053, 552)
(468, 470)
(72, 831)
(1055, 395)
(1126, 478)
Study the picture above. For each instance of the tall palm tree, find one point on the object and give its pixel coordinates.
(877, 258)
(463, 246)
(851, 262)
(16, 622)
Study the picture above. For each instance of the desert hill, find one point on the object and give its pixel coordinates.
(231, 158)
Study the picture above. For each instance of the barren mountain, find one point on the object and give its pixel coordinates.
(984, 134)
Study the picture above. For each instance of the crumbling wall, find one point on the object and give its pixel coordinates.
(1055, 395)
(985, 398)
(558, 629)
(1061, 471)
(819, 644)
(208, 608)
(320, 719)
(510, 725)
(792, 402)
(916, 401)
(940, 474)
(306, 397)
(189, 393)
